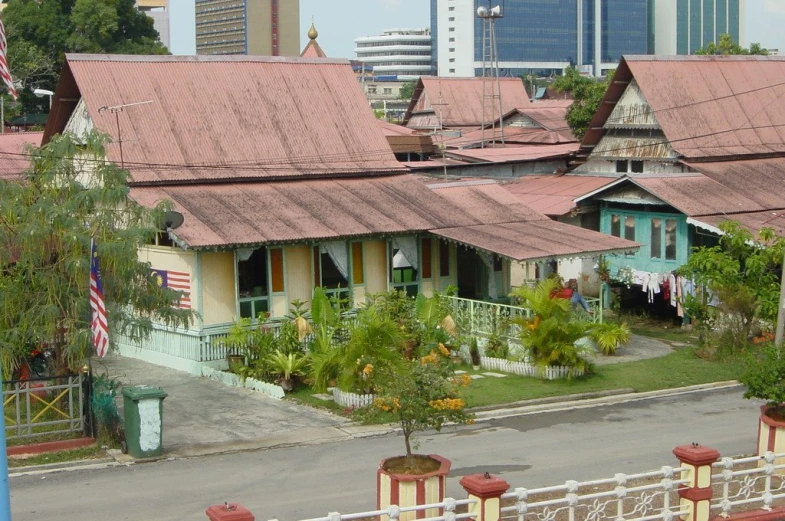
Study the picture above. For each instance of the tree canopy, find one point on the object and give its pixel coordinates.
(40, 32)
(47, 221)
(587, 94)
(727, 46)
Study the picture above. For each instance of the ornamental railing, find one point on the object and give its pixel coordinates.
(736, 489)
(630, 497)
(449, 509)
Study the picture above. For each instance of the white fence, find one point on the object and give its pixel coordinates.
(355, 401)
(524, 368)
(759, 486)
(448, 508)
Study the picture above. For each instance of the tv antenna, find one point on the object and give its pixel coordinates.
(116, 110)
(491, 84)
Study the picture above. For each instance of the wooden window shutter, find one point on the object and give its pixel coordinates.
(426, 258)
(444, 259)
(317, 267)
(276, 269)
(358, 276)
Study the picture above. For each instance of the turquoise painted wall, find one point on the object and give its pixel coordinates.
(648, 229)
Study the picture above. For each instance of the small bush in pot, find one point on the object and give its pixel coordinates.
(764, 377)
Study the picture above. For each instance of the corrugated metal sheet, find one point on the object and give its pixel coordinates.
(537, 240)
(554, 195)
(226, 117)
(514, 153)
(517, 135)
(457, 102)
(553, 118)
(14, 159)
(698, 195)
(760, 180)
(707, 106)
(296, 211)
(613, 147)
(753, 221)
(632, 110)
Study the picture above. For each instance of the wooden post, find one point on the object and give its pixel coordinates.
(696, 495)
(487, 490)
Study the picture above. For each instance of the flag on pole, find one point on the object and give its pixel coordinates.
(5, 72)
(99, 324)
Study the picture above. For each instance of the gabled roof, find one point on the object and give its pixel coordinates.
(708, 107)
(207, 118)
(512, 135)
(511, 153)
(312, 48)
(14, 158)
(458, 102)
(554, 195)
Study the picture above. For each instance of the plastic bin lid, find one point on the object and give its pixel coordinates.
(143, 392)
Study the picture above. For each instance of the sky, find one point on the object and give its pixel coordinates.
(339, 22)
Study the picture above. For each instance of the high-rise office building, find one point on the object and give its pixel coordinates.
(405, 53)
(255, 27)
(684, 26)
(537, 36)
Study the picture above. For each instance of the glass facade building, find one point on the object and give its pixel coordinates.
(702, 21)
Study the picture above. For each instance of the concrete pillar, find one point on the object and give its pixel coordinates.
(696, 495)
(487, 490)
(229, 512)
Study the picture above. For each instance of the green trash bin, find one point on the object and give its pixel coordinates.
(143, 412)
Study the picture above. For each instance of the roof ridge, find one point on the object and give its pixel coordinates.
(201, 58)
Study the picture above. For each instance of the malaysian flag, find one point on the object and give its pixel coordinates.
(98, 324)
(5, 72)
(179, 280)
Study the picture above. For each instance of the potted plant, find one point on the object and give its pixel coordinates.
(287, 366)
(474, 353)
(764, 377)
(421, 394)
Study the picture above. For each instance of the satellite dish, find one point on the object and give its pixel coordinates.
(172, 220)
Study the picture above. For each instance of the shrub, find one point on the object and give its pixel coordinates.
(764, 377)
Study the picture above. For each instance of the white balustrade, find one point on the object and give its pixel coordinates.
(353, 400)
(759, 486)
(394, 512)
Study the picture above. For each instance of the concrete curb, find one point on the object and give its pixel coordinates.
(352, 431)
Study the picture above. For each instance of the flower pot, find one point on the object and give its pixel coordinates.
(406, 490)
(476, 367)
(771, 437)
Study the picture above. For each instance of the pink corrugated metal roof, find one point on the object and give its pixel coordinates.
(707, 106)
(301, 210)
(514, 153)
(457, 102)
(14, 158)
(551, 115)
(554, 194)
(759, 180)
(391, 129)
(753, 221)
(519, 135)
(536, 240)
(226, 117)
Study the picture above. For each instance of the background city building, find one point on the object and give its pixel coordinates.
(536, 36)
(158, 10)
(405, 53)
(254, 27)
(683, 26)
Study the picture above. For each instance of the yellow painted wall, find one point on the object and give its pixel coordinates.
(219, 301)
(173, 259)
(359, 295)
(375, 266)
(279, 307)
(299, 277)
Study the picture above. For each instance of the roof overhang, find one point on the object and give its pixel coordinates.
(537, 240)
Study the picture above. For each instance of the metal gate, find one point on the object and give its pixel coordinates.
(44, 406)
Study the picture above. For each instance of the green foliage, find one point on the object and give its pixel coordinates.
(497, 347)
(407, 90)
(764, 376)
(256, 343)
(587, 94)
(422, 394)
(743, 271)
(474, 352)
(609, 336)
(727, 46)
(104, 406)
(286, 366)
(46, 225)
(40, 32)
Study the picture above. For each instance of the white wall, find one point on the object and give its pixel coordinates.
(463, 33)
(182, 27)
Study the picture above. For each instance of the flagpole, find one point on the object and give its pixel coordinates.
(5, 495)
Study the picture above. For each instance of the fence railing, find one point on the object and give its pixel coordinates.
(759, 486)
(43, 406)
(525, 368)
(448, 508)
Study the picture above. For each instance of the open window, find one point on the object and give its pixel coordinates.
(404, 265)
(252, 282)
(331, 269)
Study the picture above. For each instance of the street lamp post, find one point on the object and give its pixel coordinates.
(43, 92)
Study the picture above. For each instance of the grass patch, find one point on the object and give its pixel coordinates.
(655, 328)
(305, 396)
(82, 453)
(679, 368)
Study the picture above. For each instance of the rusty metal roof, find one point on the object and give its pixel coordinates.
(707, 106)
(752, 221)
(537, 240)
(554, 194)
(517, 135)
(513, 153)
(14, 158)
(458, 102)
(223, 118)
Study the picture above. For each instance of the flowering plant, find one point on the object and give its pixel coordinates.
(423, 394)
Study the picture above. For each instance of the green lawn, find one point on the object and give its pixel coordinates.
(677, 369)
(82, 453)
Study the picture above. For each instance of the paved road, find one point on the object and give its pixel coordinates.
(308, 481)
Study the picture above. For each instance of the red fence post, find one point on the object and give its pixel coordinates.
(696, 495)
(487, 490)
(229, 512)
